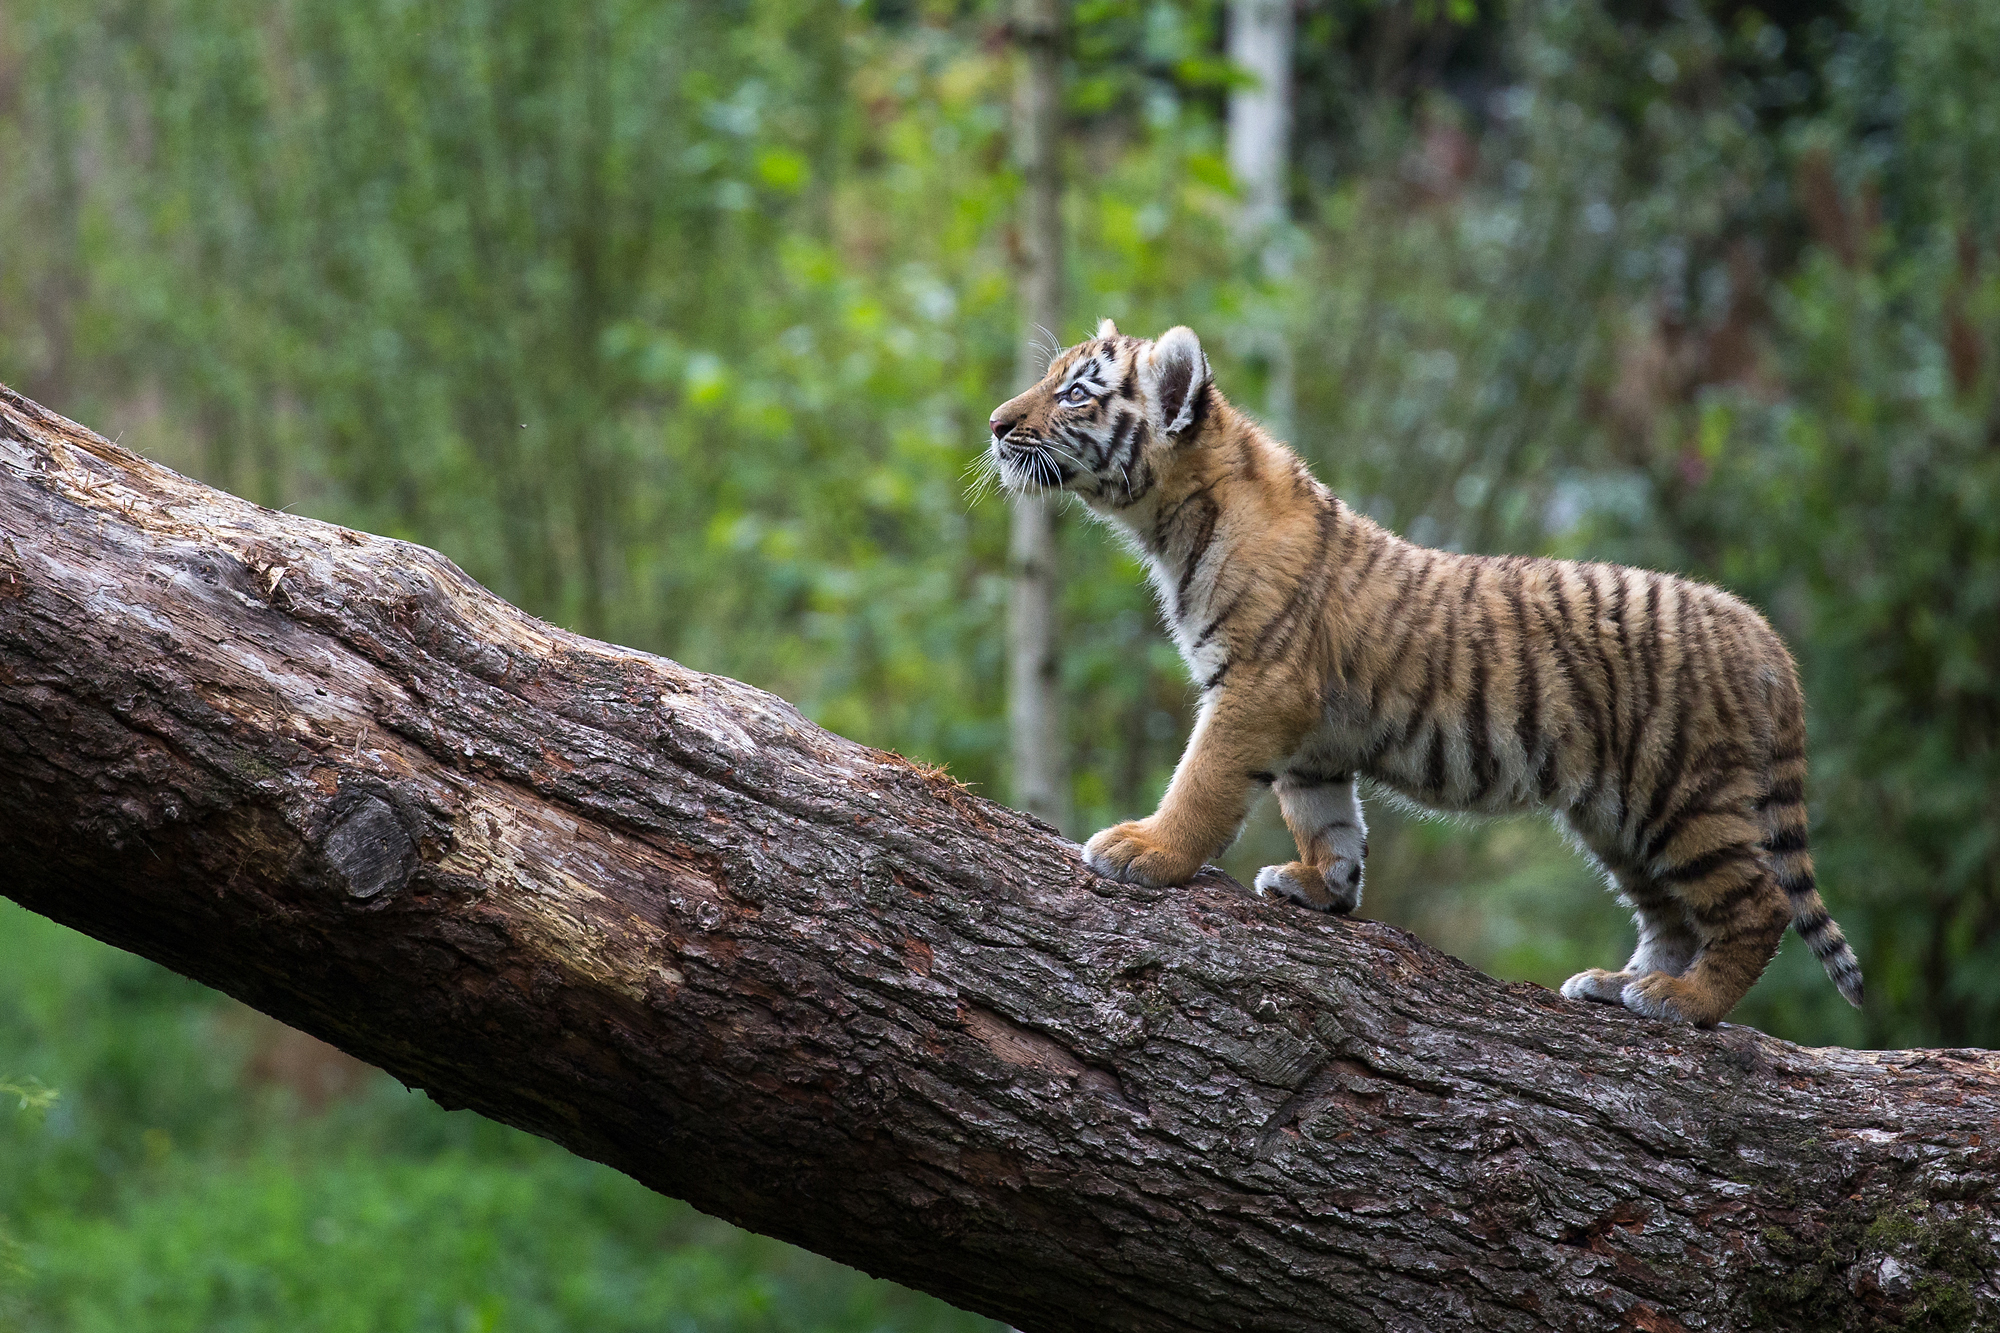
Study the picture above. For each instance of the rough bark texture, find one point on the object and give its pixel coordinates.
(661, 918)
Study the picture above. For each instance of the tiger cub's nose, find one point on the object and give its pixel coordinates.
(1000, 423)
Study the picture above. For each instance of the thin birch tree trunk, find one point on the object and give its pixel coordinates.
(1034, 698)
(1260, 113)
(1260, 129)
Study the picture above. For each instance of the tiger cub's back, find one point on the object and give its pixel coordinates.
(1660, 717)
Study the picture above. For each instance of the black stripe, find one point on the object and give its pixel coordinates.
(1420, 707)
(1440, 644)
(1558, 628)
(1247, 466)
(1434, 772)
(1216, 679)
(1617, 616)
(1413, 625)
(1687, 803)
(1122, 434)
(1202, 403)
(1350, 532)
(1127, 455)
(1478, 743)
(1667, 781)
(1208, 631)
(1375, 550)
(1359, 637)
(1545, 774)
(1204, 537)
(1706, 864)
(1477, 739)
(1786, 841)
(1640, 689)
(1646, 678)
(1735, 898)
(1263, 778)
(1649, 640)
(1786, 791)
(1527, 684)
(1721, 690)
(1672, 768)
(1612, 742)
(1201, 499)
(1308, 593)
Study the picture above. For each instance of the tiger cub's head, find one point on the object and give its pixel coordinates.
(1106, 417)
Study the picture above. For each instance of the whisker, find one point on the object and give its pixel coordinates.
(984, 472)
(1050, 350)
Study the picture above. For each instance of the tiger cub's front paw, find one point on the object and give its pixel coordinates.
(1135, 853)
(1335, 888)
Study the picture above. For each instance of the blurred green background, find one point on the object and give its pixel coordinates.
(678, 323)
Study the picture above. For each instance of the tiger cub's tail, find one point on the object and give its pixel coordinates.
(1791, 860)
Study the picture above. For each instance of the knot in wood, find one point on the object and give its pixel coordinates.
(369, 851)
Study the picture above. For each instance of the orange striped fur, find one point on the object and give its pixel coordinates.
(1659, 719)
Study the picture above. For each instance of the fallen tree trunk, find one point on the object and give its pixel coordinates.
(823, 992)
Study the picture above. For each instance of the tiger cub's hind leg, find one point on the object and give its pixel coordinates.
(1710, 917)
(1324, 814)
(1668, 941)
(1739, 914)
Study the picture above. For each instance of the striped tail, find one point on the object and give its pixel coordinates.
(1784, 811)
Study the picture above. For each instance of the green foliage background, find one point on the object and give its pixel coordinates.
(678, 323)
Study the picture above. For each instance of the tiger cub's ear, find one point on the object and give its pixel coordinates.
(1173, 375)
(1106, 329)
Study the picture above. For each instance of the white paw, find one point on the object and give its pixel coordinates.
(1272, 879)
(1597, 985)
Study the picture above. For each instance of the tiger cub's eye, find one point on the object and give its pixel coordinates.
(1077, 394)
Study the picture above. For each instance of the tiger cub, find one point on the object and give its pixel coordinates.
(1661, 720)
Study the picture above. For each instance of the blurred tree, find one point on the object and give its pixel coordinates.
(1260, 110)
(1260, 159)
(1034, 679)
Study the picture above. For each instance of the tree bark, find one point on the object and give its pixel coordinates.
(828, 994)
(1037, 746)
